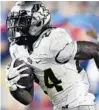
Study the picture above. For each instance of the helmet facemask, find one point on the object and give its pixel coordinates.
(25, 22)
(17, 24)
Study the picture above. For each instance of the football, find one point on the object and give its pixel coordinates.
(25, 81)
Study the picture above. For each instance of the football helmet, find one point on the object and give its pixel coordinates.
(27, 17)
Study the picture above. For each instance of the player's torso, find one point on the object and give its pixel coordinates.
(61, 82)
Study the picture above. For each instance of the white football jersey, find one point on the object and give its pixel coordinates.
(57, 71)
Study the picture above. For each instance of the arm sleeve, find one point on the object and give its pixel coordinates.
(61, 46)
(67, 53)
(59, 38)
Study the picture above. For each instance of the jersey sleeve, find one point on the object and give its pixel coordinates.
(67, 53)
(59, 38)
(61, 45)
(17, 51)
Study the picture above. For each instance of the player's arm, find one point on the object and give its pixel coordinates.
(87, 50)
(64, 49)
(24, 96)
(21, 93)
(80, 50)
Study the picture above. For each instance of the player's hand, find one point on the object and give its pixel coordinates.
(13, 75)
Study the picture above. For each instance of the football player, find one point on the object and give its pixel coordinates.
(53, 55)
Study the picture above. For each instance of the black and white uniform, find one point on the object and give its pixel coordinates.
(58, 73)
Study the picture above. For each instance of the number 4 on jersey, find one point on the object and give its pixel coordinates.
(49, 75)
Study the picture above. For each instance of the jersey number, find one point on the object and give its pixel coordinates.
(51, 81)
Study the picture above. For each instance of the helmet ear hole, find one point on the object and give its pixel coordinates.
(39, 24)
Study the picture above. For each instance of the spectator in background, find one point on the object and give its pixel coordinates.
(4, 44)
(5, 6)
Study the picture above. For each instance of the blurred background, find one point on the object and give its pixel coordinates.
(81, 20)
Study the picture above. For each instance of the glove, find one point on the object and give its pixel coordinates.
(13, 75)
